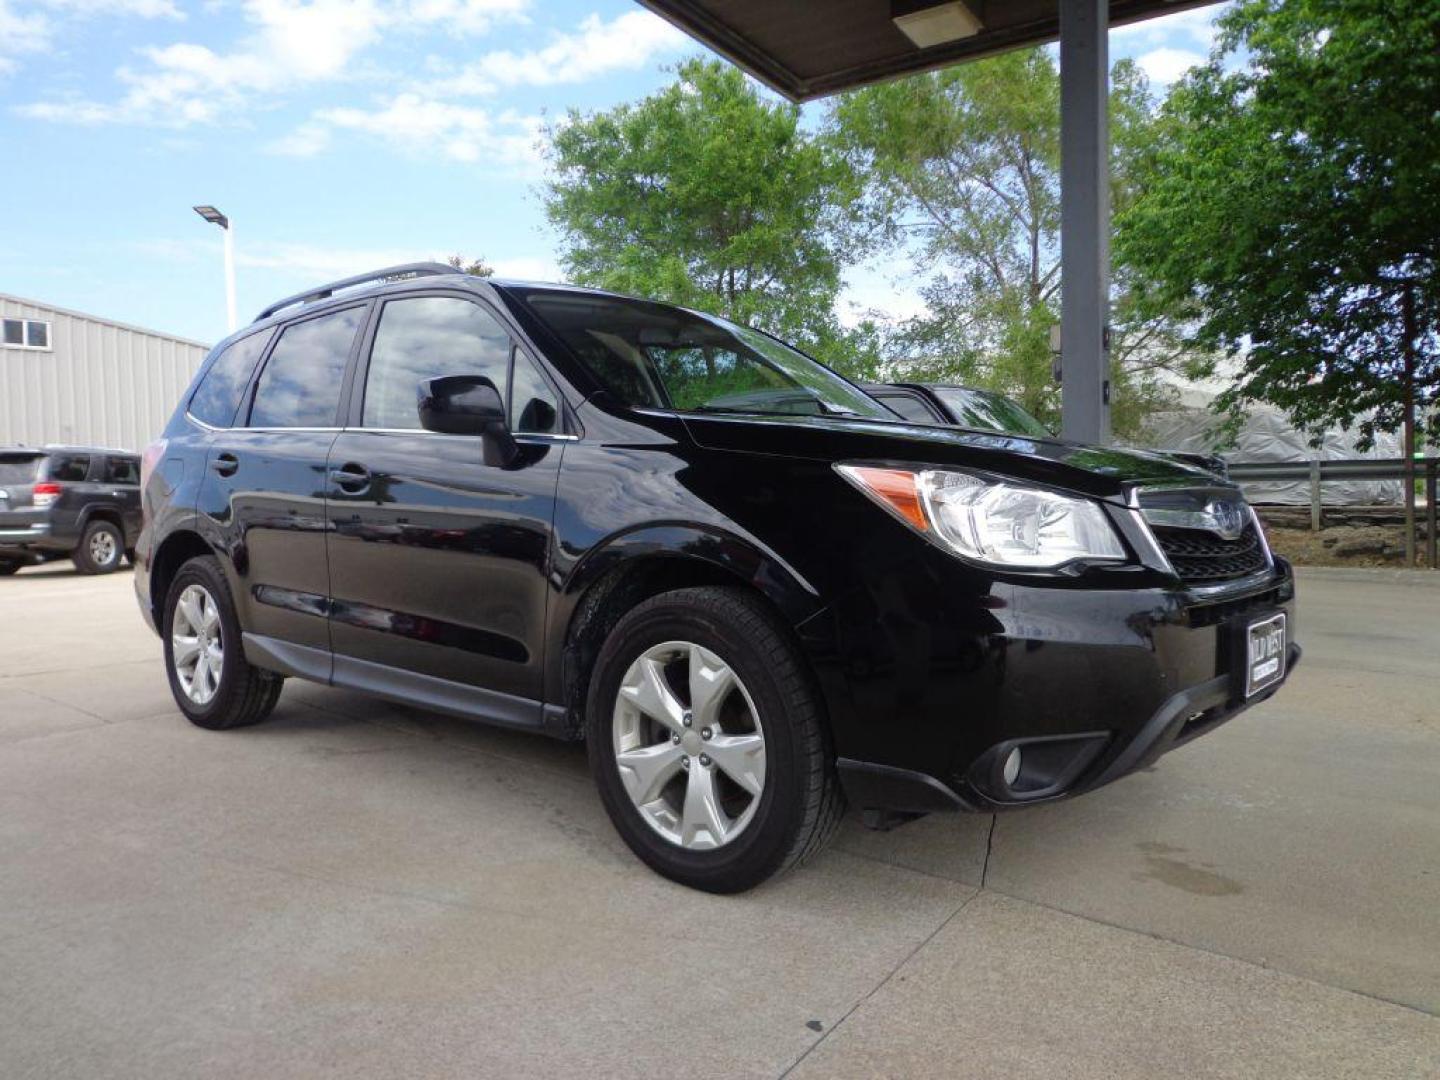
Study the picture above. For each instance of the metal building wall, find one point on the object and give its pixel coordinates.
(102, 383)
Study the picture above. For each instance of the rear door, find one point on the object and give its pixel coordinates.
(437, 560)
(77, 477)
(263, 497)
(121, 487)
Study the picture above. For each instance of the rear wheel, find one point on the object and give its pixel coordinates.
(101, 548)
(706, 740)
(211, 681)
(10, 566)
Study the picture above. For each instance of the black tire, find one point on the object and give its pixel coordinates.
(9, 566)
(85, 559)
(800, 805)
(245, 694)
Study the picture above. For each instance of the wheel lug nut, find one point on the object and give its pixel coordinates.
(685, 762)
(687, 719)
(675, 739)
(705, 760)
(705, 733)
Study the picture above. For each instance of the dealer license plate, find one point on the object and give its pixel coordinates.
(1265, 655)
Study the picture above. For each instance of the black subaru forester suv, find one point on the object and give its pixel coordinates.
(754, 592)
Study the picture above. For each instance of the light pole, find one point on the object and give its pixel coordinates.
(215, 217)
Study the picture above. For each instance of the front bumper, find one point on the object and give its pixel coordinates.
(1090, 684)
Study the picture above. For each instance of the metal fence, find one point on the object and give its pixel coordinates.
(1317, 472)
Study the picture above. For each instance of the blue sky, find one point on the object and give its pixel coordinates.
(340, 135)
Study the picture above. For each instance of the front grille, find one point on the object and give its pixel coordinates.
(1203, 558)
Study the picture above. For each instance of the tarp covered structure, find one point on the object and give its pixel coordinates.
(1267, 436)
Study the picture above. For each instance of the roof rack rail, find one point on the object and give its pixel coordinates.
(324, 292)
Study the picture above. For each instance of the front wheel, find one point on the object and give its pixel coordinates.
(707, 742)
(211, 681)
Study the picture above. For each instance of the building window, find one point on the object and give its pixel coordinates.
(26, 334)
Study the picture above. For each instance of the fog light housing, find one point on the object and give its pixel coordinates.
(1042, 767)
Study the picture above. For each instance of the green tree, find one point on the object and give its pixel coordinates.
(710, 195)
(474, 267)
(962, 171)
(1294, 202)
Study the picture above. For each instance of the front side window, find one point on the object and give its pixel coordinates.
(69, 468)
(534, 409)
(657, 356)
(300, 386)
(422, 337)
(218, 395)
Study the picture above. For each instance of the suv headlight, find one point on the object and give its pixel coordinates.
(996, 522)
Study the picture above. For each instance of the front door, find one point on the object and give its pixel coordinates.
(437, 560)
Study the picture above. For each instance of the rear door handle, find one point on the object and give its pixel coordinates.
(351, 478)
(225, 463)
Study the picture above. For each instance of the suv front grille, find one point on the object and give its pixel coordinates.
(1202, 558)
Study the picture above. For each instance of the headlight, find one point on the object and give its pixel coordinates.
(991, 521)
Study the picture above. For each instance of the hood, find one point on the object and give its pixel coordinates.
(1099, 471)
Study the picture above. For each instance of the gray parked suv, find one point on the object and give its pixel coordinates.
(72, 502)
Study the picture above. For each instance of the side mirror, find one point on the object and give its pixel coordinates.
(468, 405)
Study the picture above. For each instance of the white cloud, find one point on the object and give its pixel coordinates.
(528, 268)
(1165, 65)
(296, 263)
(425, 126)
(292, 43)
(145, 9)
(307, 140)
(1194, 27)
(628, 41)
(28, 27)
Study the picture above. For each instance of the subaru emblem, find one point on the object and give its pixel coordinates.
(1229, 518)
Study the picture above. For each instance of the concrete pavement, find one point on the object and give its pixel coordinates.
(358, 889)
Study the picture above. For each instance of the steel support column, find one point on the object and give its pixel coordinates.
(1084, 219)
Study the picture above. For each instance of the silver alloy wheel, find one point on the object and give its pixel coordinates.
(692, 760)
(103, 548)
(197, 645)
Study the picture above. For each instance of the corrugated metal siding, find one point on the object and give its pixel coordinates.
(102, 383)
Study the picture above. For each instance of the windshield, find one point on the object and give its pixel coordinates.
(18, 468)
(657, 356)
(990, 412)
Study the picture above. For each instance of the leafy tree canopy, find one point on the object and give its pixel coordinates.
(1293, 198)
(711, 195)
(962, 170)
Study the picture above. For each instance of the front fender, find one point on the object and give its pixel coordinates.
(685, 552)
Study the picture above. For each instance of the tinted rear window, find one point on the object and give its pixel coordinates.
(300, 386)
(218, 395)
(69, 468)
(18, 469)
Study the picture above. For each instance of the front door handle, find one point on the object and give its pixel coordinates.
(225, 463)
(351, 478)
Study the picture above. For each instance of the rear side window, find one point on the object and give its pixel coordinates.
(425, 336)
(18, 469)
(69, 468)
(218, 395)
(122, 471)
(300, 386)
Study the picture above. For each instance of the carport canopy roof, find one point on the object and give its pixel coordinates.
(806, 49)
